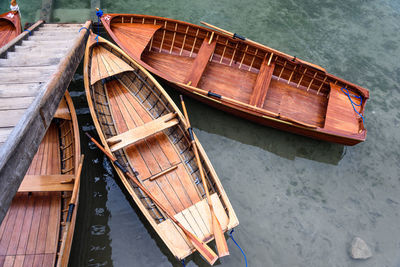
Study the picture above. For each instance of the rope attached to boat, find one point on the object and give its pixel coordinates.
(99, 14)
(183, 263)
(244, 255)
(353, 104)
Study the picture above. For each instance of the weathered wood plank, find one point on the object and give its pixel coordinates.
(37, 60)
(15, 103)
(4, 133)
(19, 90)
(10, 119)
(16, 154)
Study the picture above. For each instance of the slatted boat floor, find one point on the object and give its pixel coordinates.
(30, 231)
(153, 155)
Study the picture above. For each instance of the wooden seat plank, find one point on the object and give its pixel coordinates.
(340, 114)
(141, 132)
(46, 183)
(200, 62)
(261, 85)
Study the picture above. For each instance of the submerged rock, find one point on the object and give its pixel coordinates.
(359, 249)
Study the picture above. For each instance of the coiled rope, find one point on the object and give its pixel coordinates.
(244, 255)
(353, 104)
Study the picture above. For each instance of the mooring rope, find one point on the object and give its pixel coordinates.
(183, 263)
(353, 104)
(244, 255)
(99, 14)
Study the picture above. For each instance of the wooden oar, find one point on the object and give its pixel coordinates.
(276, 52)
(220, 240)
(241, 104)
(71, 207)
(208, 254)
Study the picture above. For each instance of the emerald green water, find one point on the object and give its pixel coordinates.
(299, 201)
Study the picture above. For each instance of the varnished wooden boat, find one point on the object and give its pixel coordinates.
(36, 221)
(10, 26)
(243, 77)
(138, 122)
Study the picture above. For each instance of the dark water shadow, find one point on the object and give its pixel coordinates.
(283, 144)
(91, 243)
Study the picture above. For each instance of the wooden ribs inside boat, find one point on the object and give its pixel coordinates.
(188, 56)
(31, 230)
(142, 127)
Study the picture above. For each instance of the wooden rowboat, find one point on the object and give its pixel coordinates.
(37, 218)
(10, 26)
(243, 77)
(142, 128)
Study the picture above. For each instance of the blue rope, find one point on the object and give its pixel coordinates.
(30, 33)
(346, 92)
(244, 255)
(183, 263)
(99, 14)
(83, 28)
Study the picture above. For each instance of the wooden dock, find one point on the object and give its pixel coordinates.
(35, 70)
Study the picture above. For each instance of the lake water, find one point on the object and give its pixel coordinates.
(300, 202)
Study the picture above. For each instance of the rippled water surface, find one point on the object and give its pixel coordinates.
(299, 201)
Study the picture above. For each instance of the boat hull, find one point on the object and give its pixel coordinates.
(10, 27)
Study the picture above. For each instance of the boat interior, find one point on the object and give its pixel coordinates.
(31, 230)
(7, 31)
(197, 57)
(144, 133)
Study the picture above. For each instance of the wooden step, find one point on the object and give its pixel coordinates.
(141, 132)
(4, 133)
(12, 117)
(36, 60)
(10, 103)
(261, 85)
(46, 43)
(200, 62)
(12, 75)
(38, 50)
(54, 37)
(19, 90)
(47, 183)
